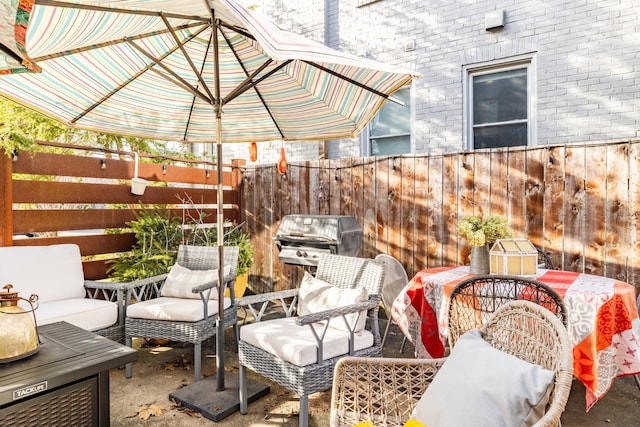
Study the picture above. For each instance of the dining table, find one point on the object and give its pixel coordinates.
(603, 322)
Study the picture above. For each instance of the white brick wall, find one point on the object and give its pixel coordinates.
(587, 56)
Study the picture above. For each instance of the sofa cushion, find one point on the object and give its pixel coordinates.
(494, 388)
(86, 313)
(316, 295)
(296, 344)
(175, 309)
(181, 280)
(54, 272)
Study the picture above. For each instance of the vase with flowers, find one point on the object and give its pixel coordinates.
(481, 235)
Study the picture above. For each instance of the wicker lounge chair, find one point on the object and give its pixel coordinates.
(474, 300)
(385, 391)
(150, 318)
(266, 345)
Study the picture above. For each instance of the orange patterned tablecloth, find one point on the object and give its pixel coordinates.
(602, 321)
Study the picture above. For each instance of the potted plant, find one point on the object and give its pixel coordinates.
(481, 235)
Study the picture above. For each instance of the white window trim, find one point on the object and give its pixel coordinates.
(365, 141)
(529, 62)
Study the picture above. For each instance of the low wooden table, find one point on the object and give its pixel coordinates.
(65, 383)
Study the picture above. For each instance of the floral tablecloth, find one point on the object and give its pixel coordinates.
(603, 321)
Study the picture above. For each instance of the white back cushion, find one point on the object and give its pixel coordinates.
(182, 280)
(479, 385)
(316, 295)
(52, 272)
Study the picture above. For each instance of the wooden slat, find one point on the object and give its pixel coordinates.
(89, 245)
(421, 212)
(482, 183)
(554, 208)
(408, 223)
(516, 190)
(634, 211)
(594, 210)
(79, 166)
(574, 195)
(357, 189)
(324, 188)
(74, 193)
(346, 187)
(395, 208)
(616, 229)
(435, 211)
(534, 196)
(369, 222)
(466, 184)
(450, 198)
(383, 170)
(61, 220)
(499, 174)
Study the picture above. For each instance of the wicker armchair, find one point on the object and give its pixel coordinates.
(474, 300)
(309, 334)
(385, 391)
(152, 322)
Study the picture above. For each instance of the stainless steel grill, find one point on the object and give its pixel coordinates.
(301, 239)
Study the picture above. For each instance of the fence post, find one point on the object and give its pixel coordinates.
(6, 200)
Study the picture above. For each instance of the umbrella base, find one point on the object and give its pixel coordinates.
(202, 396)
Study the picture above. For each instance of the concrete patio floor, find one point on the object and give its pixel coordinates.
(161, 370)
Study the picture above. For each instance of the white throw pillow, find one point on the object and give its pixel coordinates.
(480, 386)
(316, 295)
(182, 280)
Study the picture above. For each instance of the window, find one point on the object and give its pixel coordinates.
(390, 130)
(500, 105)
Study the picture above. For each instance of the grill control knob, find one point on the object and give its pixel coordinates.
(302, 254)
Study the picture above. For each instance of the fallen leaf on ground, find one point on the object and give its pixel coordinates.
(147, 411)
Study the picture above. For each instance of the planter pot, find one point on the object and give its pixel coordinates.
(240, 286)
(138, 185)
(479, 260)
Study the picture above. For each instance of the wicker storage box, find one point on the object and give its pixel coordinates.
(513, 257)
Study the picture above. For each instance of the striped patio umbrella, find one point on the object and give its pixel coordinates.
(190, 71)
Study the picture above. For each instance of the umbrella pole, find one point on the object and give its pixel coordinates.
(220, 323)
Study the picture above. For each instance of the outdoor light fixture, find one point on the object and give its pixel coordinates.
(103, 164)
(19, 333)
(15, 156)
(164, 169)
(138, 185)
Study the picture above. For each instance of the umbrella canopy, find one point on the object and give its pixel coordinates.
(190, 71)
(149, 68)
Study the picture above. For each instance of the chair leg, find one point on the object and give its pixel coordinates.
(386, 331)
(243, 389)
(304, 411)
(236, 333)
(637, 378)
(197, 361)
(129, 366)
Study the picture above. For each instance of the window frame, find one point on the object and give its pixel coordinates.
(365, 137)
(527, 62)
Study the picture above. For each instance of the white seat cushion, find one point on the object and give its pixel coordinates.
(175, 309)
(86, 313)
(297, 344)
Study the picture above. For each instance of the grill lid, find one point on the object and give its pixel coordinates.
(328, 229)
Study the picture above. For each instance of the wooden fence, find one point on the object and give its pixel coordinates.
(580, 203)
(72, 197)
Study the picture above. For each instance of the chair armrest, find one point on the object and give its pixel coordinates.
(109, 291)
(145, 289)
(385, 389)
(250, 302)
(308, 319)
(203, 287)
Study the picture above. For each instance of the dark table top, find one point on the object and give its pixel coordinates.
(67, 353)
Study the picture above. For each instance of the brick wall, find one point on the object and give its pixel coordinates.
(587, 58)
